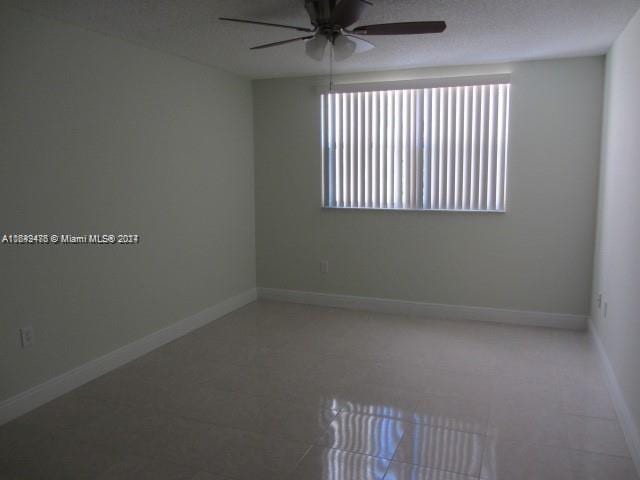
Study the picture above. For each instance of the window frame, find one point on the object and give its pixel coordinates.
(413, 84)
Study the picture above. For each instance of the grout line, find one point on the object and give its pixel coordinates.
(299, 462)
(395, 451)
(427, 467)
(414, 423)
(611, 419)
(485, 450)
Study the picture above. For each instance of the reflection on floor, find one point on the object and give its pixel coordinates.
(284, 391)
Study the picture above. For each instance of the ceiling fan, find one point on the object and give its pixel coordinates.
(332, 19)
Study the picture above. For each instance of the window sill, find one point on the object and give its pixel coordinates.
(430, 210)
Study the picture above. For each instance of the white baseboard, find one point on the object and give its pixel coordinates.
(627, 422)
(40, 394)
(431, 310)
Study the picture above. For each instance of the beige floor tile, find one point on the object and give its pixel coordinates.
(125, 431)
(464, 355)
(513, 393)
(529, 425)
(343, 368)
(123, 387)
(406, 471)
(416, 377)
(208, 476)
(227, 451)
(250, 456)
(10, 476)
(139, 468)
(58, 457)
(327, 464)
(596, 435)
(585, 374)
(587, 401)
(591, 466)
(288, 420)
(519, 365)
(503, 460)
(198, 401)
(286, 361)
(442, 449)
(219, 376)
(63, 413)
(187, 442)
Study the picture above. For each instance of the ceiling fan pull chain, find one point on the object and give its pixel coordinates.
(331, 68)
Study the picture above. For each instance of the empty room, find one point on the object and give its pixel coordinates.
(319, 240)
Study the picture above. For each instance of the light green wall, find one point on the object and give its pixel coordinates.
(97, 135)
(537, 256)
(617, 264)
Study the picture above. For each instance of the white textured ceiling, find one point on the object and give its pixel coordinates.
(479, 31)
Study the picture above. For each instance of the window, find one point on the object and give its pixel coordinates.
(433, 148)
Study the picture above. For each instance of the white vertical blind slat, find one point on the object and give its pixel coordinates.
(466, 136)
(367, 167)
(435, 147)
(405, 156)
(346, 150)
(375, 145)
(507, 108)
(500, 147)
(323, 140)
(412, 149)
(360, 159)
(383, 150)
(338, 135)
(442, 166)
(397, 150)
(390, 148)
(426, 177)
(450, 147)
(458, 144)
(352, 166)
(419, 147)
(475, 149)
(492, 159)
(483, 147)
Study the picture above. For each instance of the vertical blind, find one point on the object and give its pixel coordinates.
(441, 148)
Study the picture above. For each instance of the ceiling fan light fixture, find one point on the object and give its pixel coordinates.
(343, 47)
(362, 45)
(316, 46)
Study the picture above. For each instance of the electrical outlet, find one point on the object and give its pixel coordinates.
(26, 336)
(599, 301)
(324, 266)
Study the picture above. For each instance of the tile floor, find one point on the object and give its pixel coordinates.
(284, 391)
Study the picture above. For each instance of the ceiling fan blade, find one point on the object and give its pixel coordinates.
(343, 48)
(347, 12)
(316, 46)
(404, 28)
(282, 42)
(312, 9)
(267, 24)
(362, 45)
